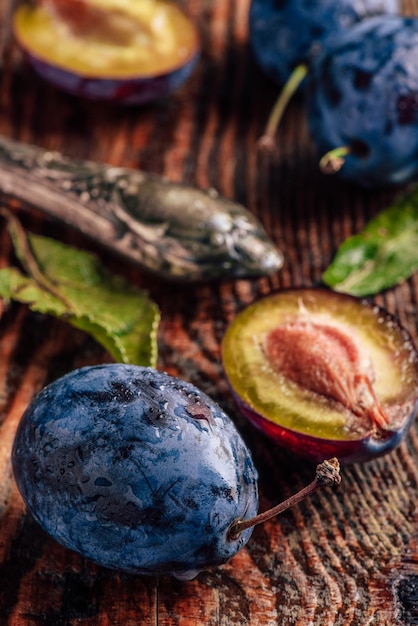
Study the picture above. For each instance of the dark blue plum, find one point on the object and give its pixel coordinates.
(136, 470)
(363, 93)
(286, 33)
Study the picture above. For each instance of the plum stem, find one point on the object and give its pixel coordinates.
(333, 160)
(327, 474)
(266, 141)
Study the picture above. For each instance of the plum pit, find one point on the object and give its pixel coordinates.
(326, 360)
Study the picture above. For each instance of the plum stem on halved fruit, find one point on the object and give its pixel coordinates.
(266, 141)
(369, 404)
(327, 474)
(333, 161)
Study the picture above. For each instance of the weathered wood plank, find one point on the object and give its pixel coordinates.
(345, 557)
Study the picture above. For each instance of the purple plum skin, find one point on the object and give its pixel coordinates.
(136, 470)
(363, 93)
(317, 449)
(125, 91)
(286, 33)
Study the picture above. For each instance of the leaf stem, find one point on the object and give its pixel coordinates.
(26, 256)
(327, 474)
(266, 141)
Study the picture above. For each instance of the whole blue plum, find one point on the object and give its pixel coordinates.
(362, 93)
(135, 470)
(286, 33)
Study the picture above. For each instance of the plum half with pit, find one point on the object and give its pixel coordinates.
(362, 103)
(122, 51)
(323, 373)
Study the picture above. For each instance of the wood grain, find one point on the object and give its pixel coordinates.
(347, 556)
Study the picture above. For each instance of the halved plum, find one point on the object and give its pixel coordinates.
(119, 50)
(323, 373)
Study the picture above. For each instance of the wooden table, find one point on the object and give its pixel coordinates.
(347, 556)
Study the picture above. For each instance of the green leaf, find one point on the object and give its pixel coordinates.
(382, 255)
(75, 287)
